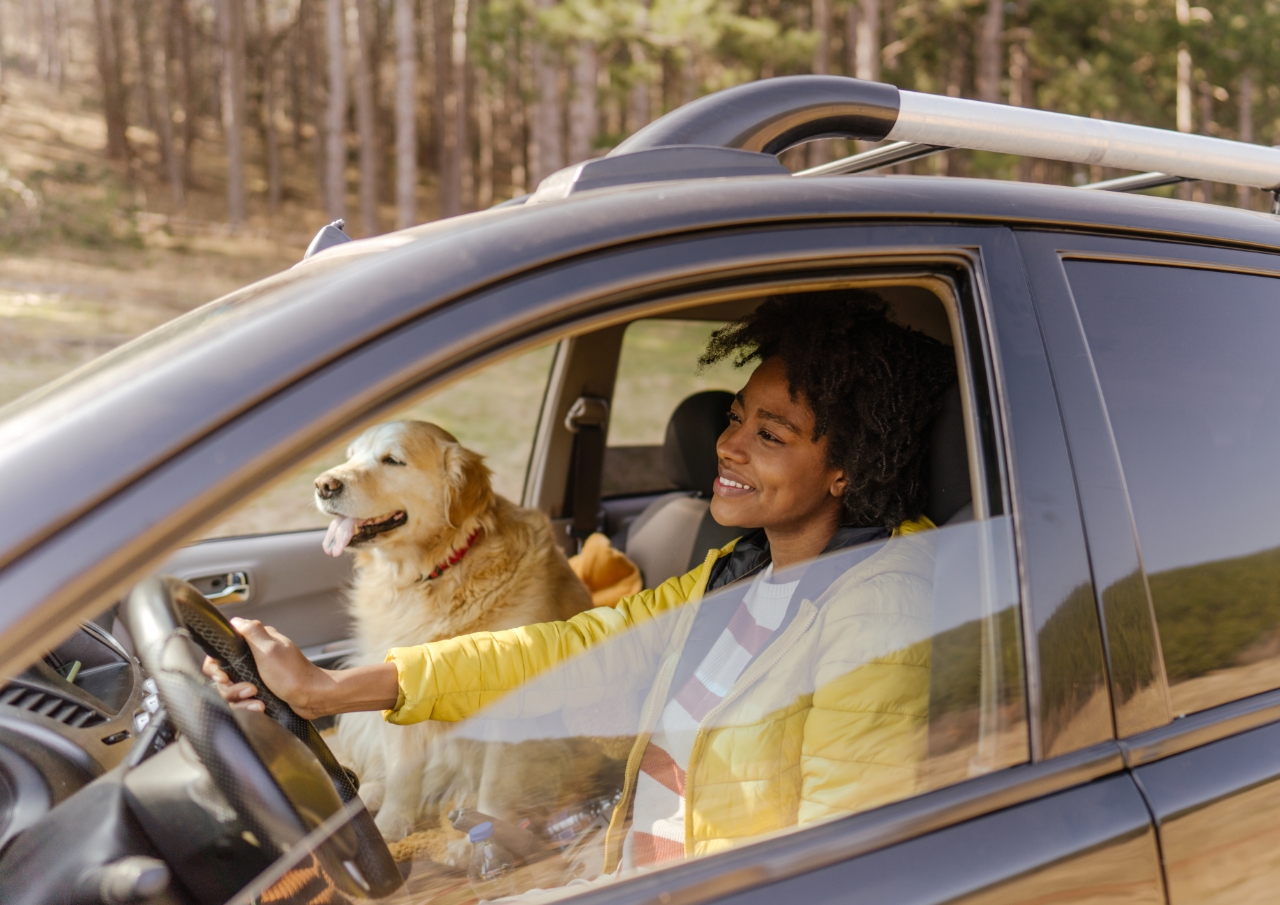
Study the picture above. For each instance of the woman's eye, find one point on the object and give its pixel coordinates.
(765, 435)
(734, 418)
(391, 460)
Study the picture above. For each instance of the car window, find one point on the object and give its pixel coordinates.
(1189, 365)
(890, 669)
(494, 411)
(657, 370)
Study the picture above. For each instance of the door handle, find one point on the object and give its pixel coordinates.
(224, 588)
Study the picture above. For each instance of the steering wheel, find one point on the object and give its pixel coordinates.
(160, 612)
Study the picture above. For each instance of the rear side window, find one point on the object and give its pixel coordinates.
(1189, 365)
(657, 370)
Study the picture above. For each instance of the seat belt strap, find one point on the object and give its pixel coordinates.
(588, 419)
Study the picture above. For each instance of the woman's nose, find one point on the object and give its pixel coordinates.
(729, 447)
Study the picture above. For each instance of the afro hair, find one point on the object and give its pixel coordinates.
(874, 387)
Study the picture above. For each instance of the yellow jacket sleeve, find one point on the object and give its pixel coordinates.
(453, 679)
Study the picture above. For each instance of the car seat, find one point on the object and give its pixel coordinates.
(950, 492)
(674, 532)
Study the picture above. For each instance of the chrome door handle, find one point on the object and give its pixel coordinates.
(223, 588)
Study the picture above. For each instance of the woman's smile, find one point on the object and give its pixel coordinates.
(730, 485)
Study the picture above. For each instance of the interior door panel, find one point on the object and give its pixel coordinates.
(292, 585)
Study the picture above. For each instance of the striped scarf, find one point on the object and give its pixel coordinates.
(657, 828)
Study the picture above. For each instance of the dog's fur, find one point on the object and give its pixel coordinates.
(514, 574)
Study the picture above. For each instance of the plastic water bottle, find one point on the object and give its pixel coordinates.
(493, 868)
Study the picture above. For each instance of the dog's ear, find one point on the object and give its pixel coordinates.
(467, 479)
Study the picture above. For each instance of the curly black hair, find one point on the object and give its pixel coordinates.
(874, 387)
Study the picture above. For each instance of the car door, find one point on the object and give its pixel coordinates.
(1071, 826)
(1167, 361)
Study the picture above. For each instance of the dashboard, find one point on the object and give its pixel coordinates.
(64, 721)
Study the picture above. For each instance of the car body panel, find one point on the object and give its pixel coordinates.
(111, 469)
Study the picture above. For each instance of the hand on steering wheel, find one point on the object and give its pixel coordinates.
(280, 663)
(162, 614)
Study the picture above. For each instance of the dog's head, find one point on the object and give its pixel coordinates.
(406, 483)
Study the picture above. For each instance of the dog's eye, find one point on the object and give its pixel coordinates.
(391, 460)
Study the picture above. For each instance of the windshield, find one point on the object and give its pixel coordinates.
(778, 702)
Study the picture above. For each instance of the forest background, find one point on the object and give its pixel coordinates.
(154, 153)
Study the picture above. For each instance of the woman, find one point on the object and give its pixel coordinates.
(803, 698)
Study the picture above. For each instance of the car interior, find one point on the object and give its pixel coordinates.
(651, 500)
(644, 483)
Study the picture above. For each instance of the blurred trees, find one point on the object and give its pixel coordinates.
(432, 107)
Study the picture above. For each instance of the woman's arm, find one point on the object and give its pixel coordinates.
(311, 691)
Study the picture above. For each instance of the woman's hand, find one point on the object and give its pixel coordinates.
(312, 692)
(283, 667)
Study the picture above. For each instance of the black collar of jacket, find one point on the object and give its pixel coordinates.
(751, 553)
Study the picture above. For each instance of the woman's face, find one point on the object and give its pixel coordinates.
(773, 474)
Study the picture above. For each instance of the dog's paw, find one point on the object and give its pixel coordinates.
(394, 823)
(373, 794)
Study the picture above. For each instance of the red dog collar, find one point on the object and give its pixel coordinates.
(454, 558)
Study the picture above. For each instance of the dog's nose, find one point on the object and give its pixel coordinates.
(327, 486)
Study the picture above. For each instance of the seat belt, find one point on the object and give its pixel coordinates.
(588, 419)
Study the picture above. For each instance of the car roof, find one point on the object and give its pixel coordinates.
(69, 446)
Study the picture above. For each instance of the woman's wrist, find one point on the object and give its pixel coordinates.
(373, 687)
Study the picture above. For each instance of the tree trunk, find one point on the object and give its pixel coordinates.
(365, 128)
(406, 115)
(638, 96)
(164, 53)
(318, 98)
(231, 21)
(867, 41)
(270, 140)
(1244, 194)
(461, 144)
(447, 169)
(820, 152)
(484, 138)
(336, 121)
(50, 64)
(142, 13)
(547, 125)
(113, 94)
(990, 59)
(584, 120)
(178, 8)
(518, 86)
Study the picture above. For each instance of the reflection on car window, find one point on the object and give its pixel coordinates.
(494, 412)
(779, 702)
(1188, 365)
(657, 369)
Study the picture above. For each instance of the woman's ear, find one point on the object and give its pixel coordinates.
(839, 484)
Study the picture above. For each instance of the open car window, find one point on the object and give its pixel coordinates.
(893, 668)
(493, 411)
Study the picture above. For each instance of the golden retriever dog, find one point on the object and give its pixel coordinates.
(437, 554)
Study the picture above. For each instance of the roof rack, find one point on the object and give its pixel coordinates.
(772, 115)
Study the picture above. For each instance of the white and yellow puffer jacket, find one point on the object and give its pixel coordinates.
(830, 718)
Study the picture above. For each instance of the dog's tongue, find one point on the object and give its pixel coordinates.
(340, 532)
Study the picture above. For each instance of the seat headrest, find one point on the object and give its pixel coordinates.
(689, 449)
(948, 470)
